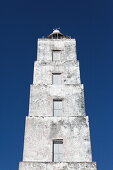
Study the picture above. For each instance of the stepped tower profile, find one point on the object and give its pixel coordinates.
(57, 135)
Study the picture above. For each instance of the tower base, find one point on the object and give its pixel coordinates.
(57, 166)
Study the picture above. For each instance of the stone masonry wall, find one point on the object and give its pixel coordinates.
(41, 131)
(46, 46)
(42, 127)
(43, 72)
(41, 100)
(57, 166)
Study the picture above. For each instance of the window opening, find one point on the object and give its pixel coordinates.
(56, 78)
(56, 55)
(58, 150)
(57, 107)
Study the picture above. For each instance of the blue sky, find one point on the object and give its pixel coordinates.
(21, 23)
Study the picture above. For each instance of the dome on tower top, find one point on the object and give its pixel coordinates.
(56, 31)
(56, 34)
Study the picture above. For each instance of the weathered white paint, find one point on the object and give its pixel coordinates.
(42, 127)
(41, 100)
(41, 131)
(57, 166)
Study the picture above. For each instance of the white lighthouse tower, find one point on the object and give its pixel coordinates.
(57, 133)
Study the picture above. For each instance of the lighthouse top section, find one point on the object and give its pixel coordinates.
(56, 34)
(56, 43)
(56, 77)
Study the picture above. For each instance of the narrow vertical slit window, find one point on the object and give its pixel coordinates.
(56, 55)
(58, 150)
(57, 107)
(57, 79)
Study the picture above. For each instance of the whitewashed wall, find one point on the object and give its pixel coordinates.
(42, 127)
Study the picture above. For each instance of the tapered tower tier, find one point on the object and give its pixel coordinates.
(57, 135)
(58, 166)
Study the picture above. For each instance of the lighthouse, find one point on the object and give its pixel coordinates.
(57, 133)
